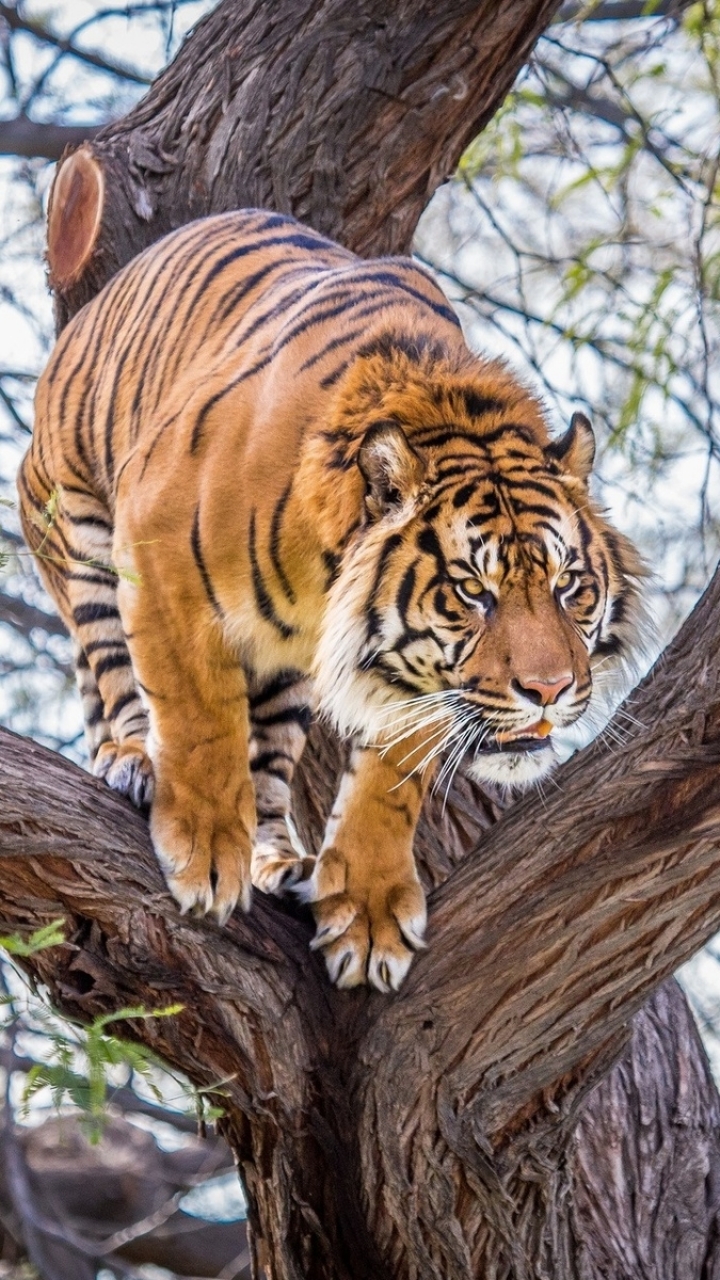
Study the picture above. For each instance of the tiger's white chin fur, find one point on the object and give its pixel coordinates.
(506, 769)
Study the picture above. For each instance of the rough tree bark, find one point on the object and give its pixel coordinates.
(459, 1129)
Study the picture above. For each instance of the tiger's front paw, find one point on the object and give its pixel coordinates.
(204, 855)
(127, 768)
(367, 932)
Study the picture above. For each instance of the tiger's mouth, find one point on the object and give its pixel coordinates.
(534, 737)
(515, 758)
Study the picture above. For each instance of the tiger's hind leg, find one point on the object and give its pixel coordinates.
(124, 765)
(97, 729)
(69, 532)
(115, 718)
(280, 719)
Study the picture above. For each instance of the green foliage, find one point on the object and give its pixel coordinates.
(50, 935)
(82, 1058)
(82, 1065)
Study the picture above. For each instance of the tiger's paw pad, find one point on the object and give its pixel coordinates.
(127, 768)
(206, 866)
(372, 941)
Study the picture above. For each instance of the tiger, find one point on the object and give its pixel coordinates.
(267, 480)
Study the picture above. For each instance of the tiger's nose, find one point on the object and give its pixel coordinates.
(543, 692)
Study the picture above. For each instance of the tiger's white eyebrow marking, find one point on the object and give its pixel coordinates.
(487, 558)
(560, 543)
(558, 551)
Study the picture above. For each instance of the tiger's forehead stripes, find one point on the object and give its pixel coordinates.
(503, 523)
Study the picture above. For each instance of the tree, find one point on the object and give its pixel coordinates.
(450, 1131)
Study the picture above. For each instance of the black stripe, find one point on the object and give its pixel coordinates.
(464, 494)
(102, 644)
(280, 683)
(271, 762)
(94, 612)
(120, 705)
(534, 486)
(96, 715)
(435, 436)
(275, 535)
(332, 562)
(201, 566)
(271, 772)
(405, 592)
(322, 311)
(301, 715)
(414, 346)
(332, 345)
(393, 280)
(110, 415)
(112, 663)
(235, 296)
(476, 406)
(263, 599)
(95, 521)
(540, 512)
(139, 718)
(331, 378)
(427, 541)
(97, 578)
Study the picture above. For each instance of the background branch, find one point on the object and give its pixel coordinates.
(25, 137)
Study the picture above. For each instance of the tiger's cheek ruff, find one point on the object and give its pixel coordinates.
(349, 689)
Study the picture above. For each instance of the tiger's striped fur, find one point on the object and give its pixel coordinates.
(258, 460)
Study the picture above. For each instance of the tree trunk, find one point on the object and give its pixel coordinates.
(458, 1129)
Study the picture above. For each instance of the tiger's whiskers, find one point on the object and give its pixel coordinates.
(475, 733)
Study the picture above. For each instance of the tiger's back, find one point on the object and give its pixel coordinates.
(201, 350)
(247, 305)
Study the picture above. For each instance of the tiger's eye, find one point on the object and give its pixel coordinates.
(564, 579)
(470, 590)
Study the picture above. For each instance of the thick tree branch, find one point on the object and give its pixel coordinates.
(425, 1135)
(669, 1161)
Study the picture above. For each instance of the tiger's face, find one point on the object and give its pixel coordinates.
(480, 593)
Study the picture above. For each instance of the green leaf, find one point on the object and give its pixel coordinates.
(50, 935)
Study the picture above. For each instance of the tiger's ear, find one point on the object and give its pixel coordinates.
(575, 451)
(390, 467)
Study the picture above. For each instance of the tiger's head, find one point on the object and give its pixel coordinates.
(481, 591)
